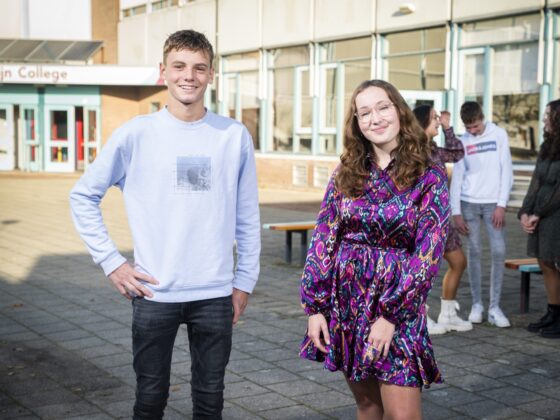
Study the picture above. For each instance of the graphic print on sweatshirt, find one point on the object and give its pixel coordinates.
(193, 174)
(485, 146)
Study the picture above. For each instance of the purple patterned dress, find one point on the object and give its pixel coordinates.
(376, 256)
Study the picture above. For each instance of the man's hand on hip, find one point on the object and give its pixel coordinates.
(240, 299)
(125, 279)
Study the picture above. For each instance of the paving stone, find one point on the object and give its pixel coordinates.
(264, 402)
(270, 376)
(474, 382)
(450, 397)
(248, 365)
(547, 409)
(46, 397)
(512, 396)
(436, 412)
(495, 370)
(298, 387)
(112, 360)
(487, 410)
(238, 413)
(325, 400)
(65, 410)
(294, 412)
(530, 381)
(244, 388)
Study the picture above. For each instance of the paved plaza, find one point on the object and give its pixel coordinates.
(65, 341)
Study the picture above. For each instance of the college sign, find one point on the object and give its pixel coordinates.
(43, 74)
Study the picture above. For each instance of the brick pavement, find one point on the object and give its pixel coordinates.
(65, 346)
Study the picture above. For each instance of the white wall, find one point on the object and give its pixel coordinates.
(141, 37)
(426, 13)
(239, 24)
(286, 22)
(60, 19)
(476, 9)
(46, 19)
(11, 24)
(339, 19)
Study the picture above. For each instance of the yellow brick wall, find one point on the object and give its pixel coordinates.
(105, 19)
(122, 103)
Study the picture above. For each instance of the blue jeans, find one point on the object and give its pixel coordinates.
(473, 214)
(154, 328)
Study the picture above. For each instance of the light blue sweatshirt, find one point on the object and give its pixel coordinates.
(190, 191)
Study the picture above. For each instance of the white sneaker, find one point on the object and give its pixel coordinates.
(476, 313)
(496, 317)
(434, 328)
(449, 319)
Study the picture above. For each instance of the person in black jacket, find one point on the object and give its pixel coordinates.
(540, 218)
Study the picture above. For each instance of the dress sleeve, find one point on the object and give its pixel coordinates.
(422, 264)
(530, 199)
(316, 281)
(453, 151)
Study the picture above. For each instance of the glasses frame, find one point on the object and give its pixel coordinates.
(366, 118)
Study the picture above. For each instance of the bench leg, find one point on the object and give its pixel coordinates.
(303, 247)
(288, 247)
(525, 291)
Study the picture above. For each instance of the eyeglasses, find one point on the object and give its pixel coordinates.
(382, 109)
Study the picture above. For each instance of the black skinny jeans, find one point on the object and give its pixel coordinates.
(154, 328)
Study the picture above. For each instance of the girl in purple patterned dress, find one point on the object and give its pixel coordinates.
(453, 151)
(374, 251)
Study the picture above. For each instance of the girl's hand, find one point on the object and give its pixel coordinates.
(381, 336)
(317, 326)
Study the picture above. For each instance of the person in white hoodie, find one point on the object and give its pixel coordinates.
(480, 189)
(188, 178)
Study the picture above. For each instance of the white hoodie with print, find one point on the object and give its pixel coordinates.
(485, 174)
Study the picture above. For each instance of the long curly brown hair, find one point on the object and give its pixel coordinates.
(550, 149)
(412, 154)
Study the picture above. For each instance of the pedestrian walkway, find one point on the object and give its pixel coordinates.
(65, 342)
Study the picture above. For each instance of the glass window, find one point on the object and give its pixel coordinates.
(241, 96)
(517, 28)
(418, 72)
(415, 60)
(241, 62)
(290, 57)
(415, 41)
(346, 49)
(515, 97)
(288, 72)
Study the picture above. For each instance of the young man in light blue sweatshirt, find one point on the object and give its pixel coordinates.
(480, 189)
(189, 183)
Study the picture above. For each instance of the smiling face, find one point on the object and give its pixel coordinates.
(187, 73)
(381, 130)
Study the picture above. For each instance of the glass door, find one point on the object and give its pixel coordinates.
(31, 149)
(92, 136)
(60, 144)
(303, 111)
(7, 141)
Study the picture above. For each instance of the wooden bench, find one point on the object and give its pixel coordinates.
(526, 266)
(289, 228)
